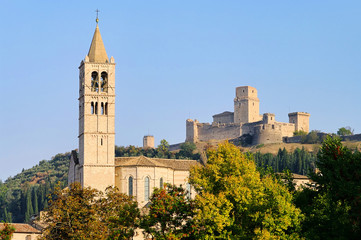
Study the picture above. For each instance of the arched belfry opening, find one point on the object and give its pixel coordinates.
(94, 82)
(104, 82)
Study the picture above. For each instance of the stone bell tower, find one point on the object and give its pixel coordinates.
(96, 116)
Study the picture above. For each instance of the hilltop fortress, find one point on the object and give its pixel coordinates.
(246, 120)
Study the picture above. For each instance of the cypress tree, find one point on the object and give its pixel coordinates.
(7, 216)
(35, 201)
(29, 206)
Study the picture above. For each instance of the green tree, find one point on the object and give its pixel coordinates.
(170, 215)
(120, 213)
(7, 216)
(338, 191)
(311, 138)
(163, 149)
(345, 131)
(187, 149)
(6, 231)
(29, 206)
(299, 133)
(235, 202)
(85, 213)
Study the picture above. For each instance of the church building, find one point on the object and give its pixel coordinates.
(95, 164)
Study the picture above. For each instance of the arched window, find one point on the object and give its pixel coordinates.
(104, 82)
(106, 108)
(130, 186)
(96, 108)
(94, 82)
(92, 108)
(102, 109)
(161, 183)
(146, 189)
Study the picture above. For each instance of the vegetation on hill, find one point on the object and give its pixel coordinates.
(162, 151)
(299, 161)
(26, 193)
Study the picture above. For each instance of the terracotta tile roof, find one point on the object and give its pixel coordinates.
(21, 228)
(175, 164)
(298, 176)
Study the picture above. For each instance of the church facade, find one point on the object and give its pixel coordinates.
(95, 164)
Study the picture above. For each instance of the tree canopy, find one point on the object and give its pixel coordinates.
(170, 214)
(333, 209)
(7, 231)
(85, 213)
(234, 202)
(345, 131)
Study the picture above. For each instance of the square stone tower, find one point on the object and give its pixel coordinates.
(148, 141)
(301, 121)
(96, 117)
(246, 105)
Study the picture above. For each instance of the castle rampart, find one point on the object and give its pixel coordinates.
(246, 120)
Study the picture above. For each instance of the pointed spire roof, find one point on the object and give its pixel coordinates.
(97, 51)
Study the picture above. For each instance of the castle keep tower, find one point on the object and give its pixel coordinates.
(96, 116)
(301, 121)
(148, 141)
(246, 105)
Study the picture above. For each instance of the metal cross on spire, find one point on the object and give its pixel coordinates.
(97, 11)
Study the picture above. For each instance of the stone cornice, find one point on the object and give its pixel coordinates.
(96, 133)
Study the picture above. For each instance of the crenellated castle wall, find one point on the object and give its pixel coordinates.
(246, 120)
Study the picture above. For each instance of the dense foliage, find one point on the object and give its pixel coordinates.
(170, 215)
(6, 233)
(345, 131)
(162, 151)
(333, 208)
(85, 213)
(299, 161)
(235, 202)
(26, 193)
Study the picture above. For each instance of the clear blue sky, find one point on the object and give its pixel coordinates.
(175, 60)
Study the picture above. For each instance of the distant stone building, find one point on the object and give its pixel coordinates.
(246, 120)
(23, 231)
(95, 164)
(148, 141)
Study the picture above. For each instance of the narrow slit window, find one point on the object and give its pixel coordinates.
(102, 109)
(101, 141)
(130, 186)
(92, 108)
(96, 108)
(106, 108)
(161, 183)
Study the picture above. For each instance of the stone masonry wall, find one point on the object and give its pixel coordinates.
(208, 131)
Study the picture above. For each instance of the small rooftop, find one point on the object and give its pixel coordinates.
(223, 114)
(21, 228)
(142, 161)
